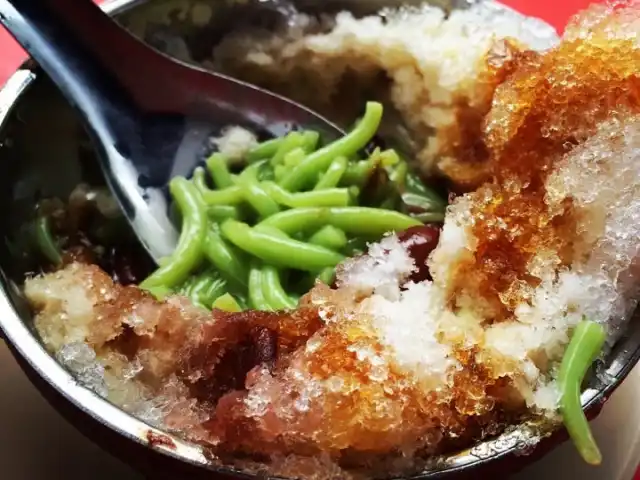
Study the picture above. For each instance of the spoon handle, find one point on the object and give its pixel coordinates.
(84, 51)
(64, 37)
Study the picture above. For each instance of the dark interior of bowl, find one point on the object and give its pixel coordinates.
(44, 152)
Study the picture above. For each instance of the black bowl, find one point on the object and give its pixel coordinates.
(43, 152)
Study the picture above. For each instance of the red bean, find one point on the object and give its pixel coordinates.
(420, 241)
(266, 346)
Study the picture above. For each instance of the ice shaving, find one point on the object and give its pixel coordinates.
(338, 315)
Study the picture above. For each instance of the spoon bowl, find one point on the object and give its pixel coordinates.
(151, 117)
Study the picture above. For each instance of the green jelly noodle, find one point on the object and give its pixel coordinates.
(585, 346)
(188, 253)
(257, 233)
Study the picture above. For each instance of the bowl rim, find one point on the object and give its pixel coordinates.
(517, 440)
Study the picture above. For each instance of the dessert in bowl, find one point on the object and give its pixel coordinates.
(442, 327)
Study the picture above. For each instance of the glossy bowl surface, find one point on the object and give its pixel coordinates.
(43, 152)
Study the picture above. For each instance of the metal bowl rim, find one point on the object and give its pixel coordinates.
(29, 347)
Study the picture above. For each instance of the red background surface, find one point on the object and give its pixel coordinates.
(556, 12)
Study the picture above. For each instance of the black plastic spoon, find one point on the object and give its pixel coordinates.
(150, 116)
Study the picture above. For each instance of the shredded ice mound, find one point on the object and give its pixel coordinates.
(235, 142)
(419, 349)
(552, 239)
(387, 265)
(348, 377)
(608, 207)
(438, 71)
